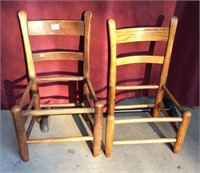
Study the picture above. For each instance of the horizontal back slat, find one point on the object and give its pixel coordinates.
(140, 59)
(56, 27)
(142, 34)
(61, 55)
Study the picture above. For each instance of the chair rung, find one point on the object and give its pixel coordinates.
(134, 106)
(137, 87)
(61, 139)
(148, 120)
(59, 79)
(61, 105)
(51, 112)
(145, 141)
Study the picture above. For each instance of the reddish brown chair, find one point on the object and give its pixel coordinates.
(127, 35)
(90, 106)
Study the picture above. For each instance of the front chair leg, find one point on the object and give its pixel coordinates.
(182, 131)
(21, 134)
(97, 129)
(110, 124)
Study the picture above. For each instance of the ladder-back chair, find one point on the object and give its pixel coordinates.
(89, 107)
(143, 34)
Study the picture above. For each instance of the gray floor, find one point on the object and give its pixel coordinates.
(77, 157)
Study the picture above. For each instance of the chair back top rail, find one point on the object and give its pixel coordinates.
(56, 27)
(142, 34)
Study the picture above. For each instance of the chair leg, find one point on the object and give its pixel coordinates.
(97, 129)
(156, 111)
(21, 134)
(182, 131)
(37, 105)
(110, 124)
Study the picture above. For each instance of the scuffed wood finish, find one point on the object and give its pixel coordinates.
(56, 27)
(95, 109)
(126, 35)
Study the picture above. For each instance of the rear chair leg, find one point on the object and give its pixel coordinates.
(182, 131)
(97, 129)
(21, 134)
(37, 103)
(110, 124)
(156, 111)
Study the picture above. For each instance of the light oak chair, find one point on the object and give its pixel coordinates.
(90, 107)
(143, 34)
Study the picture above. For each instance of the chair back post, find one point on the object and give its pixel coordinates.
(24, 28)
(86, 56)
(29, 59)
(87, 20)
(166, 63)
(110, 119)
(112, 72)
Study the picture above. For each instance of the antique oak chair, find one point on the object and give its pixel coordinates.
(90, 107)
(143, 34)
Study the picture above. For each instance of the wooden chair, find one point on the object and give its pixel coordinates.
(143, 34)
(90, 106)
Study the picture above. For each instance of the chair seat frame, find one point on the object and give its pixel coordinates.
(91, 108)
(126, 35)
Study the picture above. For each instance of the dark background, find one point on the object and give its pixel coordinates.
(183, 79)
